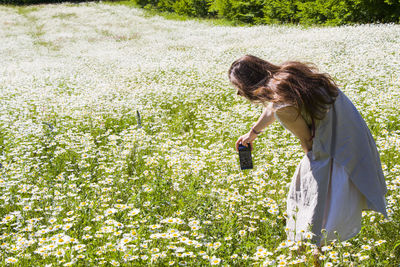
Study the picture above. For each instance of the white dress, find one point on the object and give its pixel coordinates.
(343, 204)
(337, 207)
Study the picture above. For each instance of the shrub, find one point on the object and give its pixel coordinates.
(278, 11)
(195, 8)
(243, 11)
(326, 12)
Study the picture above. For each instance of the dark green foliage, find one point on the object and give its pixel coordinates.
(325, 12)
(242, 11)
(197, 8)
(337, 12)
(278, 11)
(194, 8)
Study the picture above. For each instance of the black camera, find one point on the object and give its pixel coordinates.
(245, 159)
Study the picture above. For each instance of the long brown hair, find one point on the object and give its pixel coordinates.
(292, 82)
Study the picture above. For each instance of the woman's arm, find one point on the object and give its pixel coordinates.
(295, 123)
(266, 118)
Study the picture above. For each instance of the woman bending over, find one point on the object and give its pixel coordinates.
(340, 174)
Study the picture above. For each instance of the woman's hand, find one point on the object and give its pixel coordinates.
(266, 118)
(246, 139)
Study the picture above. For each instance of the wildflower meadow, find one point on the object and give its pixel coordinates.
(117, 133)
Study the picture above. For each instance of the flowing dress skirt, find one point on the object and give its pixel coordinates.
(322, 196)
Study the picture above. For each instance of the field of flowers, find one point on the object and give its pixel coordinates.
(117, 134)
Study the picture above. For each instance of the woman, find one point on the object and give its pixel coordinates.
(341, 173)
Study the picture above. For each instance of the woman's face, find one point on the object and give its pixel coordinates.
(235, 84)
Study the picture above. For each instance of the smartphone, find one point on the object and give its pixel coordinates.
(245, 159)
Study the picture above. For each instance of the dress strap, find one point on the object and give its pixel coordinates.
(312, 128)
(279, 105)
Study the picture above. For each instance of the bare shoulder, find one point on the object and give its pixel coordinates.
(288, 114)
